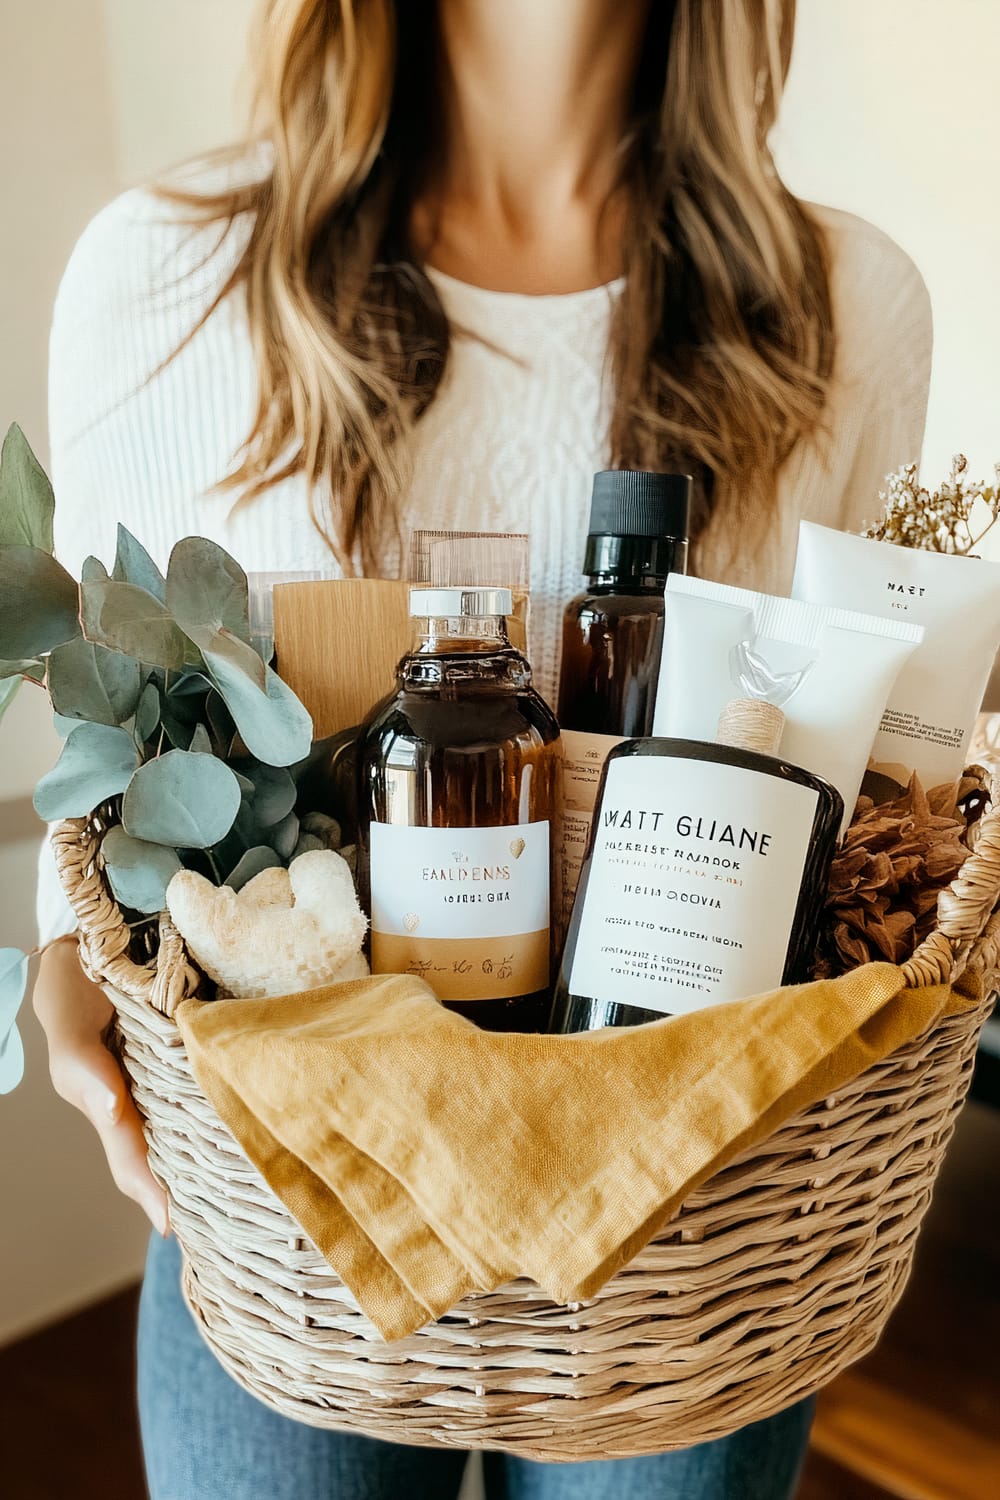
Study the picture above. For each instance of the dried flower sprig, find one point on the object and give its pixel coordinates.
(936, 520)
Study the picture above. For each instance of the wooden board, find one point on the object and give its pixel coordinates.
(337, 644)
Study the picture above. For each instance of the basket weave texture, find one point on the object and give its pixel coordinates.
(776, 1273)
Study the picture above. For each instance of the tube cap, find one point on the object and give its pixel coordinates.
(460, 604)
(637, 502)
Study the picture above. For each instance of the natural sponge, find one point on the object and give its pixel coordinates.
(285, 931)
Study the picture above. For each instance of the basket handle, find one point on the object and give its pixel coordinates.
(967, 935)
(104, 936)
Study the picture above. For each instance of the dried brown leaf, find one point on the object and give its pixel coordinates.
(886, 878)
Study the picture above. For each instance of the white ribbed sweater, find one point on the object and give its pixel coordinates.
(509, 444)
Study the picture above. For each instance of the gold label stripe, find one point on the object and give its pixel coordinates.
(467, 968)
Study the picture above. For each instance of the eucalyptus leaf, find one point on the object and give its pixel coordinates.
(8, 692)
(285, 836)
(133, 564)
(261, 857)
(201, 741)
(274, 794)
(207, 591)
(87, 681)
(183, 705)
(27, 503)
(308, 842)
(326, 829)
(11, 1061)
(273, 724)
(189, 707)
(189, 684)
(138, 872)
(185, 800)
(24, 667)
(222, 646)
(39, 603)
(93, 571)
(147, 713)
(131, 620)
(246, 833)
(221, 723)
(97, 762)
(13, 983)
(226, 854)
(63, 726)
(178, 731)
(12, 674)
(246, 826)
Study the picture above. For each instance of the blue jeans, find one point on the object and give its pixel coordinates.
(204, 1438)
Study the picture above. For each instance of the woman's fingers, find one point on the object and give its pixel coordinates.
(74, 1014)
(90, 1079)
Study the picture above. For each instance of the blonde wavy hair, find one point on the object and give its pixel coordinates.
(722, 343)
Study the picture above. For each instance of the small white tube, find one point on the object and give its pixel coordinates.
(931, 712)
(831, 670)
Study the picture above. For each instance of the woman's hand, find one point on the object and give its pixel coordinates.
(74, 1014)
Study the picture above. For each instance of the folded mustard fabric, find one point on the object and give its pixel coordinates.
(426, 1158)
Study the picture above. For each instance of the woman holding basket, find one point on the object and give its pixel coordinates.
(475, 253)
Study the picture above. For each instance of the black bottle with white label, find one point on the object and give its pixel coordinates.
(705, 877)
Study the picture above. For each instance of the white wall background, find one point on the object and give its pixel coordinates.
(176, 74)
(892, 112)
(66, 1236)
(94, 95)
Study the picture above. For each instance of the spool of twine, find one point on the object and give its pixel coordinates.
(751, 724)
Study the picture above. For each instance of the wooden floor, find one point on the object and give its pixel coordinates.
(920, 1417)
(68, 1428)
(918, 1420)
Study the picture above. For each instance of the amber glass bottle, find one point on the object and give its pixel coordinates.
(613, 633)
(459, 778)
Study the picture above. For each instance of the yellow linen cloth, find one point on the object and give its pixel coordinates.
(426, 1158)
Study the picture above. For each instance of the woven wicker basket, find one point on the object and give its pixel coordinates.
(776, 1274)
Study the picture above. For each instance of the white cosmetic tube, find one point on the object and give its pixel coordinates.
(831, 671)
(931, 711)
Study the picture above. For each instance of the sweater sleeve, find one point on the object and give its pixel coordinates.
(138, 281)
(888, 333)
(104, 345)
(80, 380)
(135, 285)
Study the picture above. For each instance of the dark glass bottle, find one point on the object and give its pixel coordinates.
(613, 633)
(704, 880)
(459, 796)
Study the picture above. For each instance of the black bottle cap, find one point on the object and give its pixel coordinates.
(636, 502)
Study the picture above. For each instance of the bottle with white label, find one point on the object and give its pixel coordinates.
(705, 877)
(460, 785)
(612, 638)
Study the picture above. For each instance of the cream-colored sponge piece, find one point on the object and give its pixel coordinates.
(285, 931)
